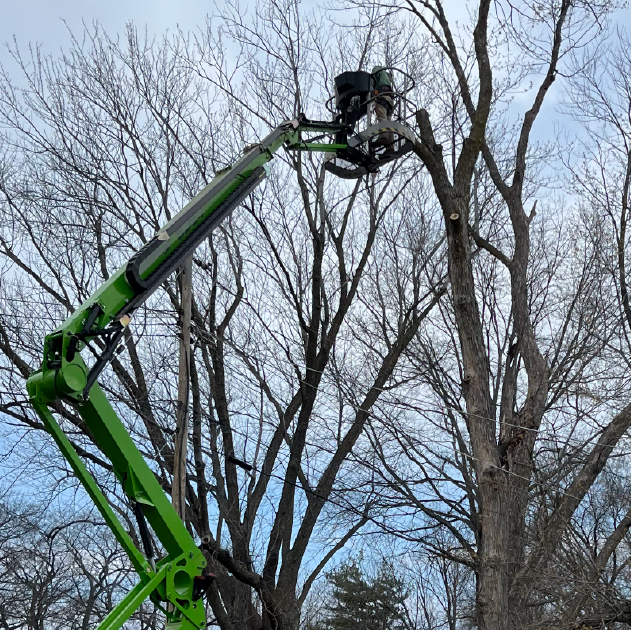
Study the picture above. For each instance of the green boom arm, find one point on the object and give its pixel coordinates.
(176, 579)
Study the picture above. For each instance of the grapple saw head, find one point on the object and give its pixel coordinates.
(380, 142)
(357, 148)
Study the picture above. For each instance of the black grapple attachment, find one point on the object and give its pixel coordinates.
(355, 96)
(352, 96)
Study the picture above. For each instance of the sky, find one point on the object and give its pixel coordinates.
(46, 22)
(42, 21)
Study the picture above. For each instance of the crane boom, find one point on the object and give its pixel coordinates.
(178, 579)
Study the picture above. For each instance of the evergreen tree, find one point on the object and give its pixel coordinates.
(363, 602)
(388, 597)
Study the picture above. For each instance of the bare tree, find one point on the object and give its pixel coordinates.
(333, 391)
(599, 97)
(59, 570)
(526, 334)
(303, 304)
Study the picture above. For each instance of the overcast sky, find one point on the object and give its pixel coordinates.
(44, 22)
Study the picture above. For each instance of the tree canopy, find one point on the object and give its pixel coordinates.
(432, 360)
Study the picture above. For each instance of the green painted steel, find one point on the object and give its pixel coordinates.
(118, 616)
(138, 560)
(135, 476)
(63, 375)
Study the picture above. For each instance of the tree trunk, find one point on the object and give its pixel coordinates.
(493, 538)
(492, 585)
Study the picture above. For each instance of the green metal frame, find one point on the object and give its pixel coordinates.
(64, 376)
(316, 146)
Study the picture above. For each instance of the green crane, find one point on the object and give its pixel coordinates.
(177, 581)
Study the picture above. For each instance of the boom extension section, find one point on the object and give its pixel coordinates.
(177, 582)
